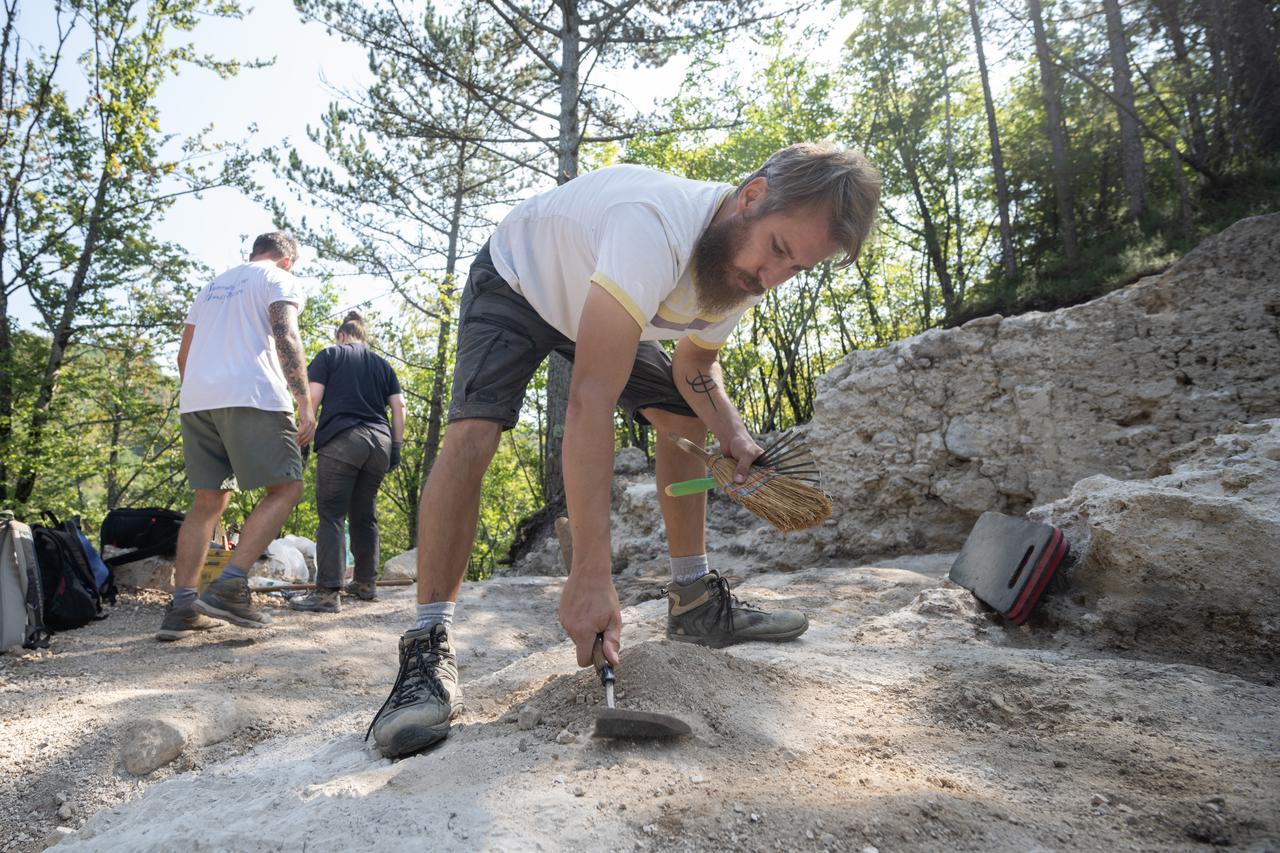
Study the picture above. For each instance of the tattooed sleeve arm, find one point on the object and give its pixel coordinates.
(284, 329)
(697, 374)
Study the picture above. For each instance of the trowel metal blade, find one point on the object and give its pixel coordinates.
(626, 724)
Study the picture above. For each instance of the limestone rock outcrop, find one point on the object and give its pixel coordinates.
(1185, 565)
(920, 437)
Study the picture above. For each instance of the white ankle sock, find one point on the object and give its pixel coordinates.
(686, 570)
(435, 613)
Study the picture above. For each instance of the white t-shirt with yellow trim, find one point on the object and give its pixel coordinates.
(629, 229)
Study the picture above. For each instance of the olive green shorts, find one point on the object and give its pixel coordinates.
(240, 447)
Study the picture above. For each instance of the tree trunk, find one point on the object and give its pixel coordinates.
(957, 219)
(6, 391)
(113, 459)
(30, 463)
(559, 370)
(1173, 24)
(1010, 263)
(1256, 70)
(1131, 162)
(933, 246)
(1057, 138)
(435, 406)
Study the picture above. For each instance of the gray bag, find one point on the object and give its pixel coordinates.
(21, 595)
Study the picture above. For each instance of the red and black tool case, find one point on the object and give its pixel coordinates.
(1008, 562)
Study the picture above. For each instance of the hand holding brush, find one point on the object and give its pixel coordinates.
(783, 487)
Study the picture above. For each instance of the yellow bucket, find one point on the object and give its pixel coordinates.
(214, 563)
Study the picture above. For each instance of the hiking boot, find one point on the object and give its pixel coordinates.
(182, 622)
(317, 601)
(416, 714)
(228, 599)
(706, 613)
(363, 590)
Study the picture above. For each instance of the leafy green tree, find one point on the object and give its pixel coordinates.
(84, 184)
(409, 185)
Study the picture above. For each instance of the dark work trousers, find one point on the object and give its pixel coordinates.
(349, 469)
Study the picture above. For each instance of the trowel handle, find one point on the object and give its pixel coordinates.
(689, 447)
(691, 487)
(602, 665)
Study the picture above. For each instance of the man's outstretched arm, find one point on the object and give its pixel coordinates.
(605, 355)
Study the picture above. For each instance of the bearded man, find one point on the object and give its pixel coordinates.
(600, 269)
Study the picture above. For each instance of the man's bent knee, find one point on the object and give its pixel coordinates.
(664, 422)
(290, 490)
(209, 502)
(473, 439)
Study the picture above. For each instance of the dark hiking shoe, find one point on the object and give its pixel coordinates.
(182, 622)
(317, 601)
(416, 714)
(228, 599)
(706, 613)
(363, 590)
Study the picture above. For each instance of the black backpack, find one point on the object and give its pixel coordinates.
(151, 531)
(72, 597)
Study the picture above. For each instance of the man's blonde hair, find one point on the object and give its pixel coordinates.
(808, 174)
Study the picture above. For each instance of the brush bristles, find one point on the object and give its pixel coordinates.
(785, 502)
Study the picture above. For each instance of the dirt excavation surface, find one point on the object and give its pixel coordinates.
(905, 719)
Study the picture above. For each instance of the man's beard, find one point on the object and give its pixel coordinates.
(715, 278)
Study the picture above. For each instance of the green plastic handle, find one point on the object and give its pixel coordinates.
(691, 487)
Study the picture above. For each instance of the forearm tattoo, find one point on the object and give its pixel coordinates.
(289, 348)
(701, 383)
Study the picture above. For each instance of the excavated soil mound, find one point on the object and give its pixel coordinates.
(719, 696)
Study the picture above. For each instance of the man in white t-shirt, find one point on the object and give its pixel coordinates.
(243, 373)
(600, 269)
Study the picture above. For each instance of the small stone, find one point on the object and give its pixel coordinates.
(150, 745)
(1099, 800)
(650, 829)
(1059, 764)
(870, 849)
(579, 791)
(523, 745)
(755, 818)
(64, 811)
(566, 736)
(527, 718)
(60, 798)
(737, 807)
(696, 779)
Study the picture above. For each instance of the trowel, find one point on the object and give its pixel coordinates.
(624, 723)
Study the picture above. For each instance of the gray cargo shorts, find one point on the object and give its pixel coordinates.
(502, 340)
(240, 447)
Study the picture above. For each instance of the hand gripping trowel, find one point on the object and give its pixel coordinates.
(624, 723)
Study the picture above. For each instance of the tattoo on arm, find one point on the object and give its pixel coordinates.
(284, 328)
(701, 383)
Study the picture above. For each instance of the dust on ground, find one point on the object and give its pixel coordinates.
(905, 719)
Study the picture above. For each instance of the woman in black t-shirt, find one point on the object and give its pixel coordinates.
(352, 387)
